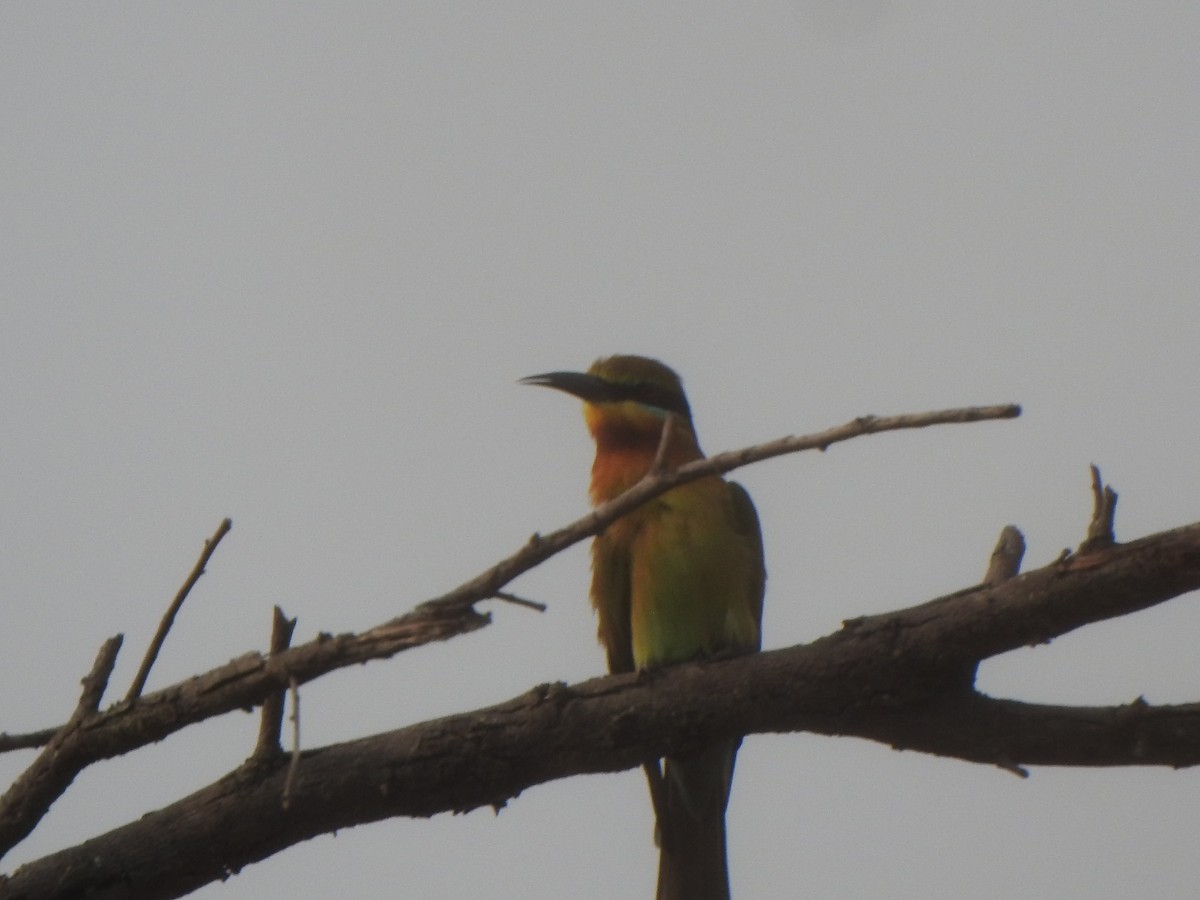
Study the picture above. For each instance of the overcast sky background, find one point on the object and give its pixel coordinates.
(285, 263)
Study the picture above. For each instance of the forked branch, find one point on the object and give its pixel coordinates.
(252, 678)
(893, 678)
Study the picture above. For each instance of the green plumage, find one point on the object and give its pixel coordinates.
(680, 578)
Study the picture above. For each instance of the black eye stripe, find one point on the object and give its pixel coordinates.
(653, 395)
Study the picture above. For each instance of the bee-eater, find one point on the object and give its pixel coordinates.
(678, 578)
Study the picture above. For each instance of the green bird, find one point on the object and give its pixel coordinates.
(680, 578)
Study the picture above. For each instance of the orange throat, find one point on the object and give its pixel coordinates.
(626, 447)
(616, 471)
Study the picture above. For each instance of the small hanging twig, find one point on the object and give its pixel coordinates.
(294, 765)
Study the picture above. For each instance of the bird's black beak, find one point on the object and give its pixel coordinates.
(577, 384)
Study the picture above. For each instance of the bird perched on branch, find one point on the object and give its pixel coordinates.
(680, 577)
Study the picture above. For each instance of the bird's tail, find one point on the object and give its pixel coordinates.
(691, 830)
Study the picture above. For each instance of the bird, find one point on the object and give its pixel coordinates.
(679, 578)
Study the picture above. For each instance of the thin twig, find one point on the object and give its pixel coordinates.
(519, 601)
(139, 680)
(540, 547)
(95, 682)
(294, 765)
(271, 717)
(660, 455)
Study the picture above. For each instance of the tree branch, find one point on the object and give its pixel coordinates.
(30, 796)
(895, 678)
(440, 614)
(1100, 531)
(28, 741)
(488, 757)
(245, 682)
(271, 715)
(168, 619)
(250, 679)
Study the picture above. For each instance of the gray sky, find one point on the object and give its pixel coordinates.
(285, 263)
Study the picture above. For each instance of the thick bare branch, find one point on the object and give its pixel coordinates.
(982, 729)
(962, 628)
(895, 678)
(488, 757)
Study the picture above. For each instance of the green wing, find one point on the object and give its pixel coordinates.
(746, 522)
(610, 597)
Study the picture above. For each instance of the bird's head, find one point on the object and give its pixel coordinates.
(626, 399)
